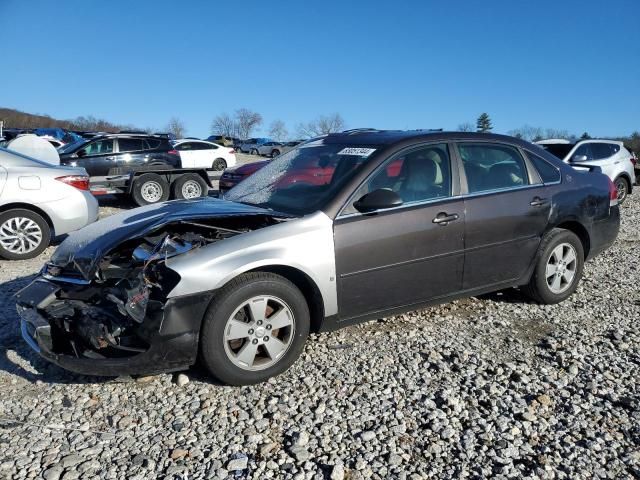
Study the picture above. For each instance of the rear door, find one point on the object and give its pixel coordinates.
(188, 154)
(507, 210)
(204, 154)
(131, 153)
(405, 255)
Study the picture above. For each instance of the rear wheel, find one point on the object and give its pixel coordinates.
(190, 185)
(150, 188)
(558, 267)
(253, 151)
(219, 164)
(622, 185)
(275, 153)
(23, 234)
(254, 329)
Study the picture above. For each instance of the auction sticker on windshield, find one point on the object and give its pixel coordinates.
(361, 152)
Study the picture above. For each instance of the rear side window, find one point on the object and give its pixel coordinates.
(130, 144)
(203, 146)
(492, 166)
(548, 172)
(604, 150)
(151, 143)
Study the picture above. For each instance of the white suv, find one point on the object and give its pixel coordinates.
(610, 155)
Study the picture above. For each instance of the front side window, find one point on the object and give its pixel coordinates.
(130, 144)
(492, 166)
(99, 147)
(303, 180)
(584, 150)
(416, 176)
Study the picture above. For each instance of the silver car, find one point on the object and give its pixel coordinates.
(39, 201)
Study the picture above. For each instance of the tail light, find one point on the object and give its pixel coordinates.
(81, 182)
(231, 150)
(613, 194)
(634, 161)
(173, 152)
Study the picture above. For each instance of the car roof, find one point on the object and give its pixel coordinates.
(196, 140)
(391, 137)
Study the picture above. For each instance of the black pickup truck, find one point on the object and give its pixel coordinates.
(147, 167)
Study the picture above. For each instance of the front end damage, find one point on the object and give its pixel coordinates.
(115, 317)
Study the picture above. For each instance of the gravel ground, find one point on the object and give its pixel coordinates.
(484, 387)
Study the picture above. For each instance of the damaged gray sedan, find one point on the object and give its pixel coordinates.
(342, 229)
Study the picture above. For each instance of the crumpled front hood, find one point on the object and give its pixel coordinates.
(85, 248)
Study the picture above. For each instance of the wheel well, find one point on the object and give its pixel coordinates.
(27, 206)
(628, 179)
(581, 232)
(308, 288)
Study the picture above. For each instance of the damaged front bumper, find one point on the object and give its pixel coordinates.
(167, 340)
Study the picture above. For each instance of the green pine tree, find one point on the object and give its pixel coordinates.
(483, 123)
(585, 136)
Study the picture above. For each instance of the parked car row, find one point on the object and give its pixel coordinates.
(342, 229)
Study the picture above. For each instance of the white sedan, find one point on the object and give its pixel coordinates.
(39, 201)
(203, 154)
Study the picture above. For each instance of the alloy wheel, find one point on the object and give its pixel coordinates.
(621, 186)
(20, 235)
(561, 268)
(259, 333)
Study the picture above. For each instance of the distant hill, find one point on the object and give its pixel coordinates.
(17, 119)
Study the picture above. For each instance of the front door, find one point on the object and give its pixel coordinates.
(405, 255)
(506, 214)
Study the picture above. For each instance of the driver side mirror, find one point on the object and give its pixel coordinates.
(579, 158)
(379, 199)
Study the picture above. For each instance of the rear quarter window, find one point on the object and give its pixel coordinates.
(604, 150)
(548, 173)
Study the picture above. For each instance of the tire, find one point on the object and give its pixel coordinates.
(189, 185)
(221, 355)
(219, 164)
(541, 286)
(623, 187)
(23, 234)
(253, 151)
(150, 188)
(275, 153)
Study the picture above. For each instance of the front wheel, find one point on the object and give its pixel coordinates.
(23, 234)
(558, 267)
(254, 329)
(275, 153)
(253, 151)
(622, 185)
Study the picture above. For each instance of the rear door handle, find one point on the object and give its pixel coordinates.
(443, 218)
(538, 202)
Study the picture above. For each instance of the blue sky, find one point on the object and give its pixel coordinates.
(403, 64)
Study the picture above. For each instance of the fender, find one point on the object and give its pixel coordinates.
(305, 244)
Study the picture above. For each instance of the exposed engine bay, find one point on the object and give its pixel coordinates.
(119, 311)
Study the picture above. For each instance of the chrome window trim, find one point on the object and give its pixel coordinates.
(415, 203)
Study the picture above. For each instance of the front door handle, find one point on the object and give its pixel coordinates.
(538, 202)
(110, 158)
(443, 218)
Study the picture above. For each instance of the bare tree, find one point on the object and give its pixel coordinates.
(321, 126)
(466, 127)
(176, 126)
(247, 121)
(534, 134)
(278, 131)
(225, 125)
